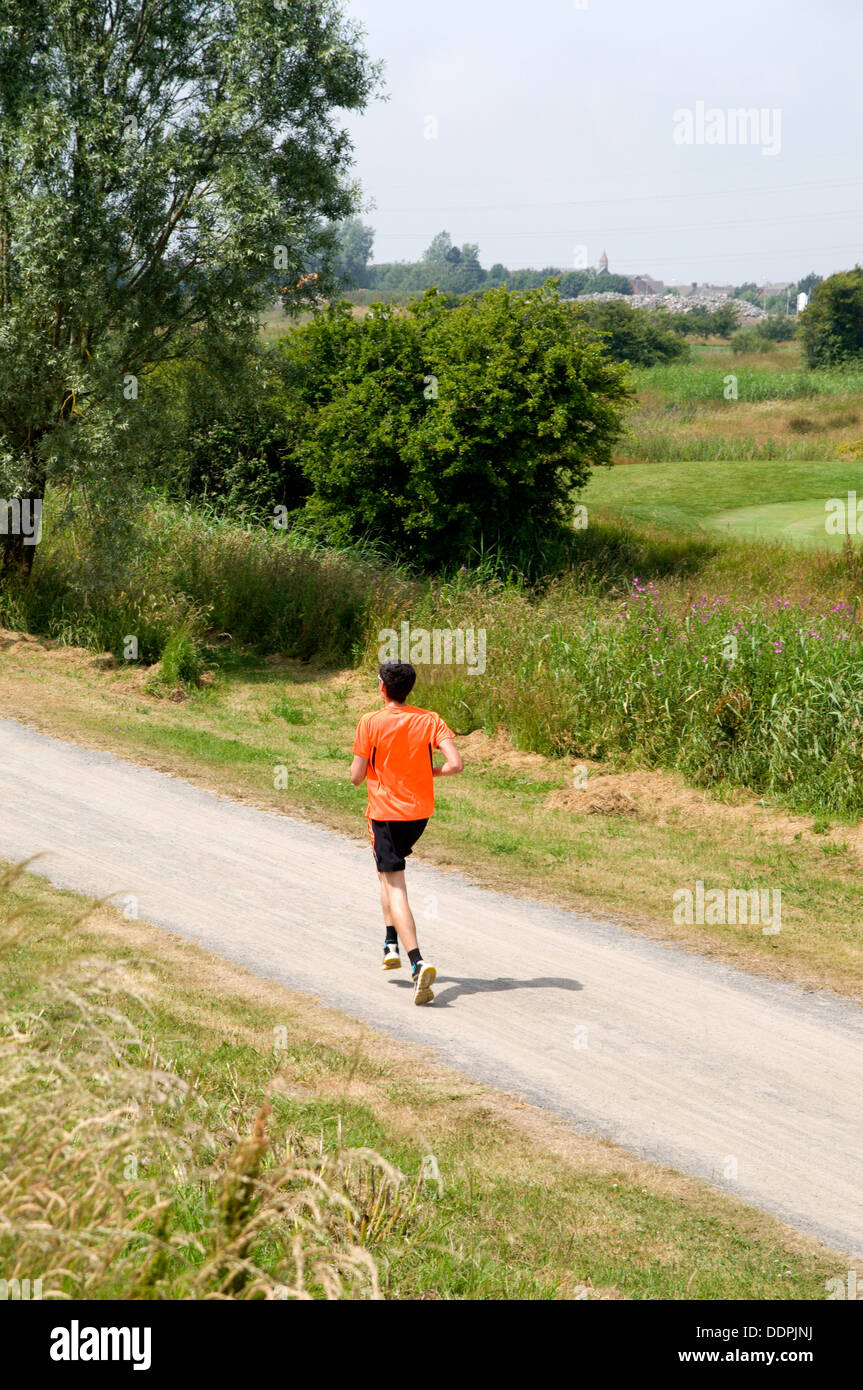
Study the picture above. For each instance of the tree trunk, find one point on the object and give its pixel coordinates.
(20, 529)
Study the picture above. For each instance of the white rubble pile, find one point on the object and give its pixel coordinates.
(682, 303)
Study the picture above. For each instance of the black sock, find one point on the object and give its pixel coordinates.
(415, 955)
(392, 937)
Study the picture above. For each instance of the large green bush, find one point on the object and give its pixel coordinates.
(701, 322)
(750, 339)
(445, 430)
(779, 328)
(632, 335)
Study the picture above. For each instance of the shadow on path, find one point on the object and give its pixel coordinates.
(444, 997)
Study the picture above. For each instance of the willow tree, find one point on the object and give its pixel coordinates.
(166, 168)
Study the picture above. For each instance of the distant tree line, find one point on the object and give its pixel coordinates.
(782, 303)
(457, 270)
(443, 265)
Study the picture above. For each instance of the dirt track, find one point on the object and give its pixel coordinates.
(753, 1085)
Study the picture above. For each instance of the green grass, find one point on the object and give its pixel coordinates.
(799, 523)
(722, 406)
(676, 441)
(219, 752)
(291, 712)
(188, 577)
(767, 696)
(684, 496)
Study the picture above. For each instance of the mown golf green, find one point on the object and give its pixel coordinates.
(800, 523)
(768, 500)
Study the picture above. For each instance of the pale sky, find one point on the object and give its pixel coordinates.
(556, 123)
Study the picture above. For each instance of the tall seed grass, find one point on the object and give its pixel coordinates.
(764, 695)
(187, 578)
(699, 381)
(118, 1179)
(565, 672)
(674, 443)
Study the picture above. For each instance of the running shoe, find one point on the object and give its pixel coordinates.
(423, 978)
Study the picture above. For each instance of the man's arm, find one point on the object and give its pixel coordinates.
(453, 762)
(358, 770)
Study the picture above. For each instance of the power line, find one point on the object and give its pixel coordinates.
(855, 249)
(660, 228)
(760, 190)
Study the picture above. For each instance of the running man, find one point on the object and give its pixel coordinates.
(394, 750)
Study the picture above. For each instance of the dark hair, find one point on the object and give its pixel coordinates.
(399, 678)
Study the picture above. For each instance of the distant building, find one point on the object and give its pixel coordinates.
(641, 284)
(701, 289)
(768, 291)
(645, 284)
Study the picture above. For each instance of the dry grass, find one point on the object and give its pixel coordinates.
(673, 418)
(831, 422)
(120, 1179)
(274, 323)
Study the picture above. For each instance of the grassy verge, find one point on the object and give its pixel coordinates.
(179, 574)
(730, 406)
(575, 668)
(765, 695)
(622, 845)
(178, 1128)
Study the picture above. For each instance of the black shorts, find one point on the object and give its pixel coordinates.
(393, 840)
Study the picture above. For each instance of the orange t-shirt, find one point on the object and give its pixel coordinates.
(398, 741)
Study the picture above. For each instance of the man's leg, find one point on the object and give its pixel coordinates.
(422, 974)
(396, 908)
(394, 902)
(385, 900)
